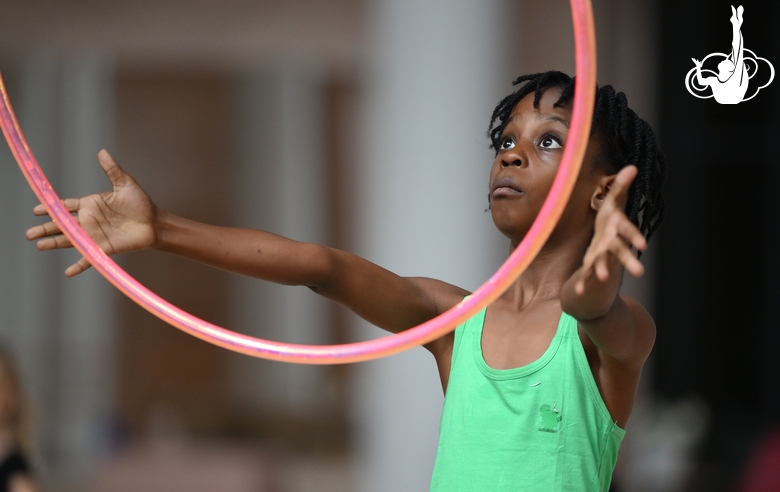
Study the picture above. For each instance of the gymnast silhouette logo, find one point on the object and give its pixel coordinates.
(735, 71)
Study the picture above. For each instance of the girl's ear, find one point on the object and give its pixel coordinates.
(603, 186)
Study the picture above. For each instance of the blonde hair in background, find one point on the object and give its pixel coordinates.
(15, 410)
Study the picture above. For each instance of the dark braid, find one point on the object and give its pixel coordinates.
(627, 139)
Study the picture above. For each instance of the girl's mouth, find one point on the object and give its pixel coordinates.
(505, 187)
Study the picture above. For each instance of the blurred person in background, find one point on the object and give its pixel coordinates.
(16, 440)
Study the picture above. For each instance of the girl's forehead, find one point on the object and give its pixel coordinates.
(546, 108)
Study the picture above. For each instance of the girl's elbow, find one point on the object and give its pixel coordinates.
(321, 268)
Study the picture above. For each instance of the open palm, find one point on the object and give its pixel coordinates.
(118, 221)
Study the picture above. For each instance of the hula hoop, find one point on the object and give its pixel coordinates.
(518, 261)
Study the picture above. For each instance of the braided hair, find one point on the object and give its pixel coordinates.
(626, 138)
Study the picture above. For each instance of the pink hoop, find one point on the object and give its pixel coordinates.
(584, 95)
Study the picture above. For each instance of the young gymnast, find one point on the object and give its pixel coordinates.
(539, 385)
(731, 84)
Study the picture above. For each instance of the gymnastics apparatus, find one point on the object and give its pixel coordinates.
(518, 261)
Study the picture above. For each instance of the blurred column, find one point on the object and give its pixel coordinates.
(61, 329)
(280, 187)
(87, 301)
(30, 278)
(437, 69)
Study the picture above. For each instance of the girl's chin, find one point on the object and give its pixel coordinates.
(512, 232)
(511, 223)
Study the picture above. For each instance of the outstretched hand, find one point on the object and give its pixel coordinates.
(118, 221)
(614, 235)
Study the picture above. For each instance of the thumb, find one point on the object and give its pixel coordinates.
(622, 183)
(115, 173)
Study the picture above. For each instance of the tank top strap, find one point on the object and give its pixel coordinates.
(471, 327)
(569, 328)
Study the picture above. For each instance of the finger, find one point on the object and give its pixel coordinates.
(601, 267)
(579, 287)
(598, 248)
(42, 230)
(34, 233)
(40, 210)
(624, 254)
(71, 205)
(631, 233)
(586, 271)
(590, 258)
(116, 174)
(77, 267)
(618, 191)
(50, 243)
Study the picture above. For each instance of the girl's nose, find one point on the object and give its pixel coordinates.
(510, 162)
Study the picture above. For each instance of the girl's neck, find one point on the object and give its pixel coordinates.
(545, 276)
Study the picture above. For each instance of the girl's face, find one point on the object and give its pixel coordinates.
(524, 169)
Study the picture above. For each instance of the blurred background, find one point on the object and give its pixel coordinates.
(360, 124)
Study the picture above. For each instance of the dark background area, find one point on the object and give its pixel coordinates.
(717, 292)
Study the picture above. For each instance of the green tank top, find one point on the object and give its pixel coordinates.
(540, 427)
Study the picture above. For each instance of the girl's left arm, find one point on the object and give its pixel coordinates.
(620, 327)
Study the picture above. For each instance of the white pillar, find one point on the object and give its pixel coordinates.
(437, 70)
(29, 283)
(280, 187)
(61, 330)
(87, 314)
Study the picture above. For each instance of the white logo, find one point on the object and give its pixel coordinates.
(730, 84)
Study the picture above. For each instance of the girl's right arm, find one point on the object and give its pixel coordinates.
(126, 220)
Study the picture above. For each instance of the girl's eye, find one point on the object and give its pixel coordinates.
(549, 142)
(507, 144)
